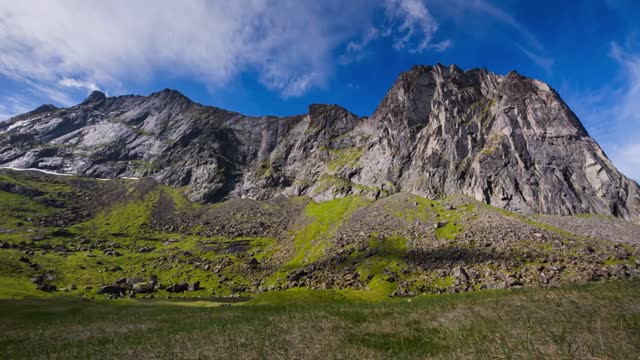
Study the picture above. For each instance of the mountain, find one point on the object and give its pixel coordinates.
(508, 141)
(459, 181)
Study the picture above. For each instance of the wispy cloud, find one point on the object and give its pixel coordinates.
(630, 101)
(544, 62)
(627, 159)
(86, 44)
(528, 42)
(78, 84)
(442, 45)
(500, 15)
(357, 49)
(626, 111)
(14, 105)
(412, 28)
(409, 25)
(611, 112)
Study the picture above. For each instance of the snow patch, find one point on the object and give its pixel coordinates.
(34, 169)
(59, 174)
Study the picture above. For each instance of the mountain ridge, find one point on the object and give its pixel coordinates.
(509, 141)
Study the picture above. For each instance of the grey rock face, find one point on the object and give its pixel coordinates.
(508, 141)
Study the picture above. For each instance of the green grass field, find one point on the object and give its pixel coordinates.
(596, 321)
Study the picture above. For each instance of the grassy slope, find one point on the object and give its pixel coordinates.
(326, 217)
(130, 218)
(596, 321)
(127, 224)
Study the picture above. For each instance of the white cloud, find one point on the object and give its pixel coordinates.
(99, 44)
(408, 23)
(626, 110)
(629, 106)
(357, 50)
(412, 22)
(12, 106)
(441, 46)
(627, 159)
(612, 111)
(78, 84)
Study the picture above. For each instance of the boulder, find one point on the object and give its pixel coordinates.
(178, 288)
(132, 281)
(253, 263)
(146, 249)
(110, 289)
(195, 286)
(460, 275)
(440, 224)
(143, 287)
(46, 287)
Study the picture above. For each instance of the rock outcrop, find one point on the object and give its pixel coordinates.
(508, 141)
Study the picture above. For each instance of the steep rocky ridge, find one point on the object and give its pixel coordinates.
(508, 141)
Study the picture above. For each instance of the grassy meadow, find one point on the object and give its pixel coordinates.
(596, 321)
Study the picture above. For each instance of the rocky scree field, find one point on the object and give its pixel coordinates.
(147, 240)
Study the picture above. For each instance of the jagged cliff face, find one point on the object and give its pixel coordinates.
(508, 140)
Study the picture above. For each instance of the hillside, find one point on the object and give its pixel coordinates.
(140, 238)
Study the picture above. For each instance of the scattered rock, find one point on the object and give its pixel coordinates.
(440, 224)
(143, 287)
(46, 287)
(195, 286)
(253, 263)
(110, 289)
(146, 249)
(178, 288)
(496, 285)
(460, 275)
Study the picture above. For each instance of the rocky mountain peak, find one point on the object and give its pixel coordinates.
(322, 113)
(94, 97)
(170, 95)
(44, 109)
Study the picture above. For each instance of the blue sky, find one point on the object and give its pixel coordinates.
(272, 57)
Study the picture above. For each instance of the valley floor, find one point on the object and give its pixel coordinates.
(596, 321)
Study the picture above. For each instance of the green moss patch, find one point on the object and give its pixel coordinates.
(325, 218)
